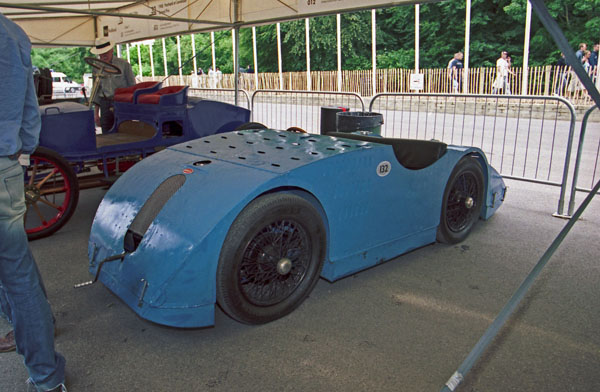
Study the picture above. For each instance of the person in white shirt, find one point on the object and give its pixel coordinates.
(502, 71)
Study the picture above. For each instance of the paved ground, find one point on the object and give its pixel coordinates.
(401, 326)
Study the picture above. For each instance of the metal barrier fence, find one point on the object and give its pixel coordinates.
(525, 138)
(282, 109)
(222, 95)
(587, 161)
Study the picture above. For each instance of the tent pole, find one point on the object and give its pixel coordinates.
(194, 54)
(179, 60)
(339, 51)
(374, 51)
(236, 48)
(417, 36)
(525, 75)
(214, 59)
(165, 57)
(255, 58)
(465, 86)
(140, 71)
(150, 47)
(279, 56)
(308, 80)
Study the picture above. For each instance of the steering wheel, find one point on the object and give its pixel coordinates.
(104, 70)
(102, 65)
(296, 130)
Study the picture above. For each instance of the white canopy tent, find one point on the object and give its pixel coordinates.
(80, 22)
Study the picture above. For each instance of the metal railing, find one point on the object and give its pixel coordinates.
(588, 158)
(282, 109)
(222, 95)
(528, 138)
(525, 138)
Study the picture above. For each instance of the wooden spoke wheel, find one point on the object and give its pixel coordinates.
(51, 193)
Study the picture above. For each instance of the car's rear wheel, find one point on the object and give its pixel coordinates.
(51, 193)
(271, 258)
(462, 202)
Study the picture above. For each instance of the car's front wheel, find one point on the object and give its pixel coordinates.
(462, 202)
(271, 258)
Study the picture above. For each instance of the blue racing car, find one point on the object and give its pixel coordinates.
(250, 219)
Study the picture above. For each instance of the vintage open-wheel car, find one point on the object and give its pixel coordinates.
(72, 156)
(250, 219)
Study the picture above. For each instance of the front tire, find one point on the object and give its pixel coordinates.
(271, 258)
(51, 193)
(462, 202)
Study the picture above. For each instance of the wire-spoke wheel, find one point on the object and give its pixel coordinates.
(463, 199)
(51, 193)
(271, 258)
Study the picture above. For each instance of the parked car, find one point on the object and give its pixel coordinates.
(62, 84)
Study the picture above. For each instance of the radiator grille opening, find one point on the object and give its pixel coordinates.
(150, 210)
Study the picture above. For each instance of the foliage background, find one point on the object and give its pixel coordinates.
(495, 25)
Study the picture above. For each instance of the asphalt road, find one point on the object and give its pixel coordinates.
(405, 325)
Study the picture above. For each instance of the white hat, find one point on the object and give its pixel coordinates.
(102, 45)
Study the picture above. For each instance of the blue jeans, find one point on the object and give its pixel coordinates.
(22, 296)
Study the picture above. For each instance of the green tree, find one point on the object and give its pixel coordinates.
(495, 25)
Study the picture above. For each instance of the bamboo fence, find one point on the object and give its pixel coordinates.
(542, 81)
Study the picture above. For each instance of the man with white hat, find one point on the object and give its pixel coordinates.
(104, 99)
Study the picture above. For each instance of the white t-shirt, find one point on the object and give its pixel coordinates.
(502, 67)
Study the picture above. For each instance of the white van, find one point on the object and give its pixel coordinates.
(61, 84)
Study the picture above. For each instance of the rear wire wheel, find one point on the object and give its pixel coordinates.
(51, 193)
(271, 259)
(462, 202)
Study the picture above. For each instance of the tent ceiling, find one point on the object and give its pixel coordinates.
(76, 22)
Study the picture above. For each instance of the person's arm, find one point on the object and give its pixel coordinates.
(12, 93)
(129, 75)
(32, 123)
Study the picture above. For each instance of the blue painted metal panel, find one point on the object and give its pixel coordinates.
(68, 128)
(372, 216)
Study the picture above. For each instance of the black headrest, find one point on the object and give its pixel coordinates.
(410, 153)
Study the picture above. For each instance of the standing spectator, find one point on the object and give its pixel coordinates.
(456, 69)
(212, 78)
(582, 48)
(502, 71)
(594, 62)
(561, 74)
(104, 100)
(585, 61)
(576, 84)
(219, 76)
(594, 57)
(449, 68)
(22, 297)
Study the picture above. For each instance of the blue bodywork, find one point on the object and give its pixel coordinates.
(369, 218)
(140, 129)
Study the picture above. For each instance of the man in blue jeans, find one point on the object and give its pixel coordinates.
(22, 298)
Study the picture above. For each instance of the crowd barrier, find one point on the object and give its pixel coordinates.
(527, 138)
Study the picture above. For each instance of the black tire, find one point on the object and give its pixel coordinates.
(51, 193)
(260, 280)
(462, 202)
(250, 125)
